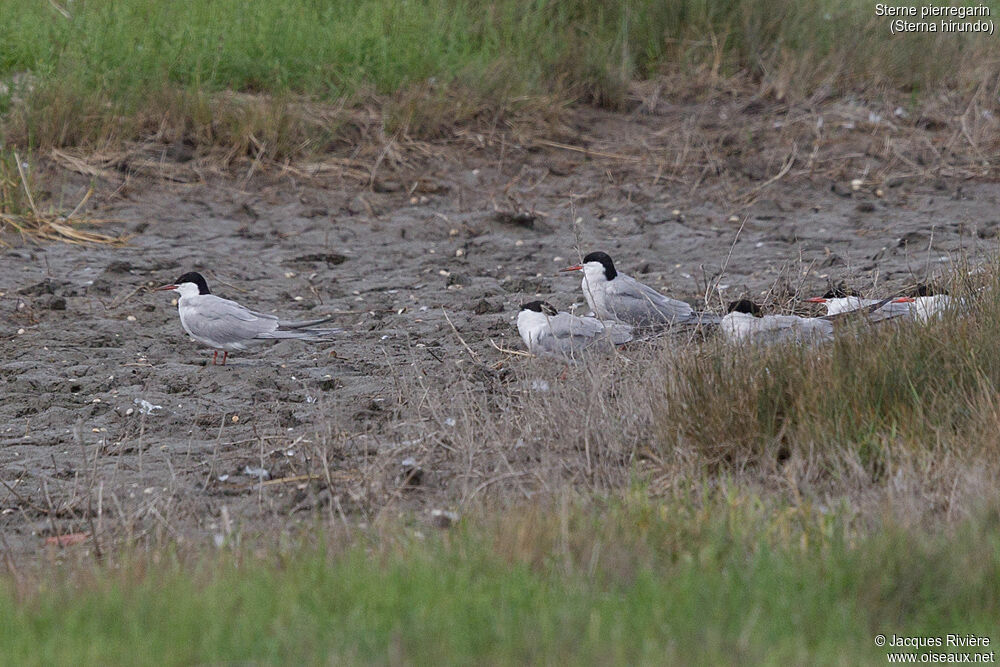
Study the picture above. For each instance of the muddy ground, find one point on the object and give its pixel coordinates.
(470, 228)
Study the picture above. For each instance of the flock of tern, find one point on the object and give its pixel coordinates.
(620, 305)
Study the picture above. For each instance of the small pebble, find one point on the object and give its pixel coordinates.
(856, 184)
(130, 318)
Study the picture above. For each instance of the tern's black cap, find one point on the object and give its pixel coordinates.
(839, 292)
(923, 289)
(745, 306)
(540, 307)
(197, 279)
(605, 260)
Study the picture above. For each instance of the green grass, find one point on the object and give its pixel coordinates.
(728, 580)
(140, 69)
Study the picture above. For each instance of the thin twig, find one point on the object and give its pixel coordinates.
(468, 349)
(507, 350)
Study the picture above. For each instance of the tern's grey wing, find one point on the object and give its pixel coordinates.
(565, 335)
(226, 322)
(569, 334)
(792, 327)
(775, 328)
(633, 302)
(618, 332)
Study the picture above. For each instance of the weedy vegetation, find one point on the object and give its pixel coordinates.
(704, 577)
(286, 80)
(22, 211)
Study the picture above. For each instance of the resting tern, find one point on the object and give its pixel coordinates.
(744, 322)
(226, 325)
(923, 308)
(612, 295)
(548, 332)
(839, 301)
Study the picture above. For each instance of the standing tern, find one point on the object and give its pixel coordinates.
(226, 325)
(614, 295)
(547, 332)
(744, 322)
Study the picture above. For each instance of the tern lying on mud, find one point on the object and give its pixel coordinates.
(928, 302)
(745, 323)
(615, 296)
(226, 325)
(839, 301)
(923, 308)
(548, 332)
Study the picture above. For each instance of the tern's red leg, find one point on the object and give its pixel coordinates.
(216, 354)
(225, 355)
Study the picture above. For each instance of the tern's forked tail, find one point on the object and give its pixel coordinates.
(300, 324)
(308, 335)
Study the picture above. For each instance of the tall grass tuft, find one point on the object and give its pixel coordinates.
(873, 400)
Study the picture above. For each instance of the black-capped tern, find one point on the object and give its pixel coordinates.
(744, 322)
(614, 295)
(548, 332)
(839, 301)
(226, 325)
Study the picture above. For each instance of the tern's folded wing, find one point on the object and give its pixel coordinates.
(567, 334)
(226, 321)
(633, 301)
(787, 327)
